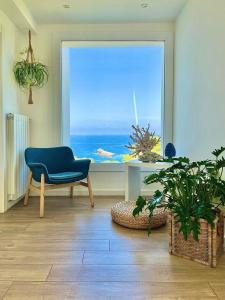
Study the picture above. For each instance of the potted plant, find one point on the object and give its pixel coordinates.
(143, 142)
(193, 193)
(30, 73)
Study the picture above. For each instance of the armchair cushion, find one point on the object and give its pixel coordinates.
(65, 177)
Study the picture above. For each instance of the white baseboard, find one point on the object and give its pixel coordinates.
(79, 192)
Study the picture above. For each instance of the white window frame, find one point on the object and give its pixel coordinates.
(122, 36)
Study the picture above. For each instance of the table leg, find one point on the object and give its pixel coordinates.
(133, 183)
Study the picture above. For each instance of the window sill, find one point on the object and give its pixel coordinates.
(107, 167)
(113, 167)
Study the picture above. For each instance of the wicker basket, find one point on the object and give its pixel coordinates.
(122, 214)
(209, 247)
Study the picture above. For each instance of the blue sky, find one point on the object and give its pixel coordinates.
(102, 82)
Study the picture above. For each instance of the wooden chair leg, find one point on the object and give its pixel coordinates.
(90, 191)
(71, 192)
(42, 196)
(26, 199)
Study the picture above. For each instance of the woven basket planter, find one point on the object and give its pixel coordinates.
(122, 214)
(209, 247)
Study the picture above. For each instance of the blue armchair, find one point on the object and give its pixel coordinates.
(55, 168)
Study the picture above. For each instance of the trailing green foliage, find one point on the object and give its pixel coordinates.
(30, 74)
(190, 190)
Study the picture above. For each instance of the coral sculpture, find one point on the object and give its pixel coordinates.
(143, 141)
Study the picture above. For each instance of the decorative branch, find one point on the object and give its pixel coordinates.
(143, 141)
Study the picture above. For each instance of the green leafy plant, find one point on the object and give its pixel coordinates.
(30, 73)
(190, 190)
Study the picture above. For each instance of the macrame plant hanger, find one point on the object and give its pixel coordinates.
(30, 59)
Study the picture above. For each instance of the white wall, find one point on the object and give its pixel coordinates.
(199, 114)
(45, 113)
(11, 41)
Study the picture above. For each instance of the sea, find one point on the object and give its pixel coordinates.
(86, 146)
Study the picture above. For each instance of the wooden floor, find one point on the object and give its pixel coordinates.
(76, 252)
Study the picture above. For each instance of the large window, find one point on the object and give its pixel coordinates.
(111, 87)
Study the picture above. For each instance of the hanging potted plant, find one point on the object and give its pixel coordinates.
(30, 73)
(193, 193)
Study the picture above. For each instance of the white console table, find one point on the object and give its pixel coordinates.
(133, 177)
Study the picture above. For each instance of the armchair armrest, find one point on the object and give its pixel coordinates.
(37, 169)
(81, 165)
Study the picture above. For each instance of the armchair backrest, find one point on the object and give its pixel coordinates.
(57, 159)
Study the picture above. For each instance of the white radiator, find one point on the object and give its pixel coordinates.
(17, 141)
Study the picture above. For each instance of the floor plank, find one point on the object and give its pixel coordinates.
(144, 273)
(53, 245)
(24, 272)
(88, 234)
(13, 227)
(81, 222)
(112, 290)
(150, 257)
(41, 257)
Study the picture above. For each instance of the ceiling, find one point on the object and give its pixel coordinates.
(103, 11)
